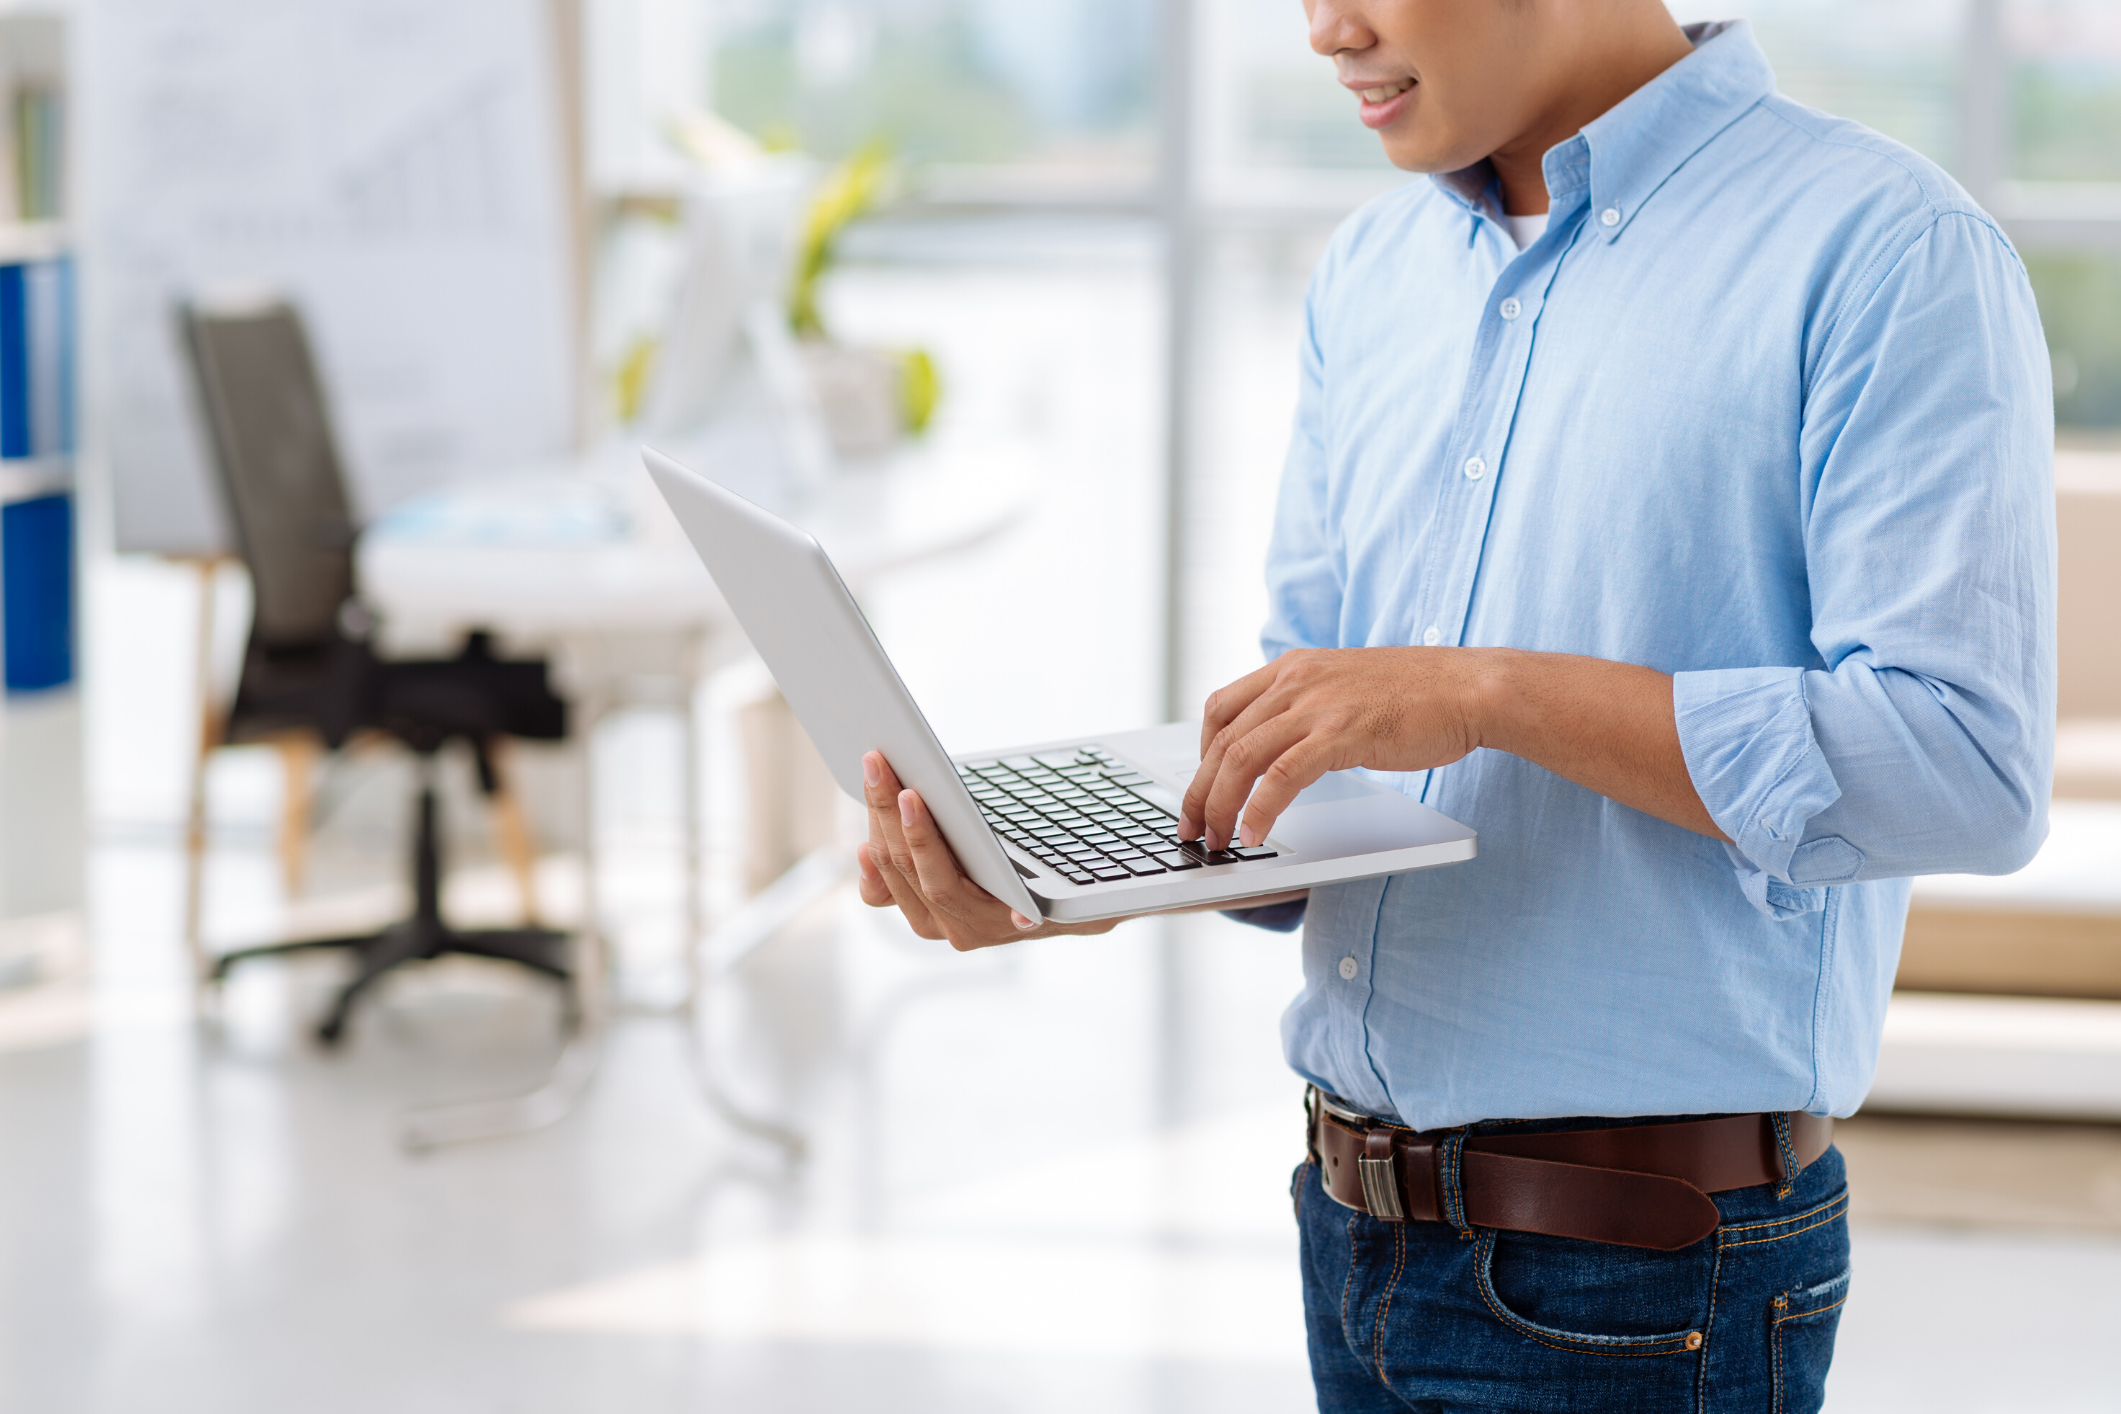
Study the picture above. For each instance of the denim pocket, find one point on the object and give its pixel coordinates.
(1596, 1298)
(1801, 1343)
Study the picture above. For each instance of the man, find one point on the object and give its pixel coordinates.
(1670, 499)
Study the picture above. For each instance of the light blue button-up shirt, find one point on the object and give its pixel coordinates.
(1766, 408)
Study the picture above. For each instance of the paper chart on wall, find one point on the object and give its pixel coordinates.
(396, 166)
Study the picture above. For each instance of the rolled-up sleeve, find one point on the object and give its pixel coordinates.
(1923, 740)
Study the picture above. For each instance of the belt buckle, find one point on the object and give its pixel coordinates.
(1380, 1177)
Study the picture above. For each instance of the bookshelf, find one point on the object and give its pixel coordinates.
(41, 779)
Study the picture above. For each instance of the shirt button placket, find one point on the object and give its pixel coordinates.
(1476, 468)
(1510, 308)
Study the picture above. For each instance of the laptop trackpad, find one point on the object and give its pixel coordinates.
(1334, 785)
(1367, 822)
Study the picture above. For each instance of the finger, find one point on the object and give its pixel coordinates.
(880, 788)
(944, 885)
(1296, 767)
(906, 893)
(869, 880)
(1280, 702)
(1227, 707)
(887, 817)
(898, 884)
(935, 869)
(875, 880)
(1226, 702)
(1246, 759)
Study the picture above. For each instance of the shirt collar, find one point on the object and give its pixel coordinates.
(1627, 152)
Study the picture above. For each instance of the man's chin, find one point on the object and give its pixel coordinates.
(1409, 152)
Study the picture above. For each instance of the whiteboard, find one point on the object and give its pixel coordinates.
(397, 167)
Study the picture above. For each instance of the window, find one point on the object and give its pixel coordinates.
(2080, 305)
(1893, 65)
(1061, 82)
(2064, 90)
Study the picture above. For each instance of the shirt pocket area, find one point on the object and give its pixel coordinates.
(1596, 1298)
(1801, 1327)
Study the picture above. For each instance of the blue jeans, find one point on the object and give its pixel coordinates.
(1421, 1316)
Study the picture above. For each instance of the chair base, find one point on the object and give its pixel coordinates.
(421, 937)
(415, 940)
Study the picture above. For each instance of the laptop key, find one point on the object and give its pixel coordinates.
(1252, 851)
(1175, 859)
(1142, 864)
(1199, 850)
(1106, 873)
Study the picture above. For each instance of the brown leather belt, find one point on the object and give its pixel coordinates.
(1645, 1185)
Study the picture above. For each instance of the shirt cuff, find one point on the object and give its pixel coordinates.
(1274, 917)
(1747, 737)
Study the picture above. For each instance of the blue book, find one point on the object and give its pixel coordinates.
(36, 358)
(37, 592)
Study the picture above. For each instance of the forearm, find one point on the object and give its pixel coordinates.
(1609, 727)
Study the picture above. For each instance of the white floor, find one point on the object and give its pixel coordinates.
(989, 1217)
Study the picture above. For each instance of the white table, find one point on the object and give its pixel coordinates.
(584, 564)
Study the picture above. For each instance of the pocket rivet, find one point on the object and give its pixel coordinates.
(1693, 1340)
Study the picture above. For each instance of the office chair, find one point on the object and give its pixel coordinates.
(309, 668)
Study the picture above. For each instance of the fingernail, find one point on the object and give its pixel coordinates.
(905, 807)
(1020, 921)
(1248, 837)
(871, 772)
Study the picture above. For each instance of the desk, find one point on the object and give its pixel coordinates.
(586, 566)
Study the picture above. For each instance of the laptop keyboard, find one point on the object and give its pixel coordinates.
(1089, 818)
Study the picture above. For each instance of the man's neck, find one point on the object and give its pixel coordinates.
(1611, 63)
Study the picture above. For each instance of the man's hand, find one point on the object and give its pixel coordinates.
(906, 864)
(1607, 726)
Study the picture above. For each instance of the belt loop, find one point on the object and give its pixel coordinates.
(1785, 1153)
(1450, 1188)
(1311, 1123)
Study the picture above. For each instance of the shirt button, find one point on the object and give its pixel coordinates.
(1431, 637)
(1347, 969)
(1609, 217)
(1475, 468)
(1511, 308)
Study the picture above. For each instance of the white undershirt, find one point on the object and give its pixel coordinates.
(1526, 229)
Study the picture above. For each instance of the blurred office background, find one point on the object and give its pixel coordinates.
(1038, 405)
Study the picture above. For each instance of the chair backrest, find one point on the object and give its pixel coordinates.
(277, 464)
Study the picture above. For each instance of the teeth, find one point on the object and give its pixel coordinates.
(1390, 91)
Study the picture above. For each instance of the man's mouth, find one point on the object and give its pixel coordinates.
(1384, 104)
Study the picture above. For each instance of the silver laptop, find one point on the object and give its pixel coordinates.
(1069, 830)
